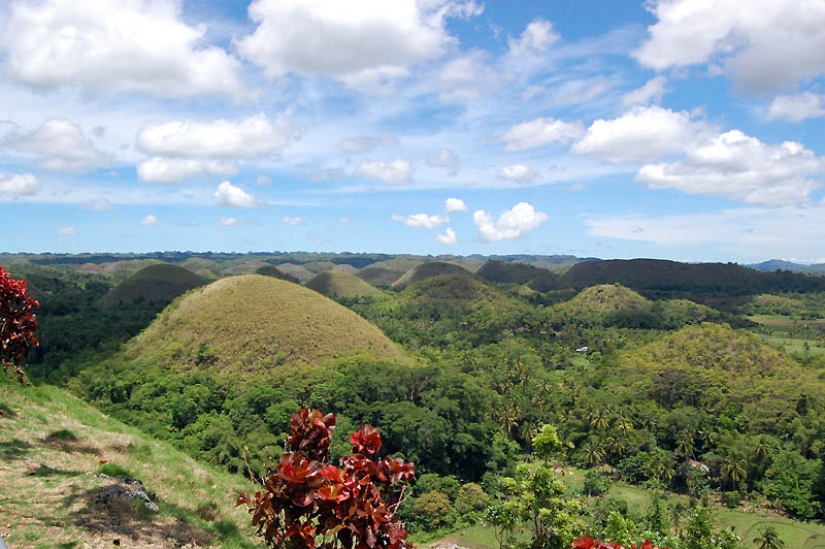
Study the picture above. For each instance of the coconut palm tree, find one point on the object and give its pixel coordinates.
(769, 539)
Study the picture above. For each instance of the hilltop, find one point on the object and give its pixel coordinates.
(428, 270)
(341, 284)
(159, 282)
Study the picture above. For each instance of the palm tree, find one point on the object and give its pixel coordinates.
(769, 539)
(598, 420)
(732, 469)
(594, 454)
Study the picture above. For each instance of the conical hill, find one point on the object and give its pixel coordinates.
(341, 284)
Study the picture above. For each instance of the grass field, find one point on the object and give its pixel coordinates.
(803, 337)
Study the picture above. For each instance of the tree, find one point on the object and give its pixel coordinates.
(17, 322)
(308, 502)
(769, 539)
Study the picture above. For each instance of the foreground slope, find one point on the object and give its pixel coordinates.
(247, 323)
(52, 447)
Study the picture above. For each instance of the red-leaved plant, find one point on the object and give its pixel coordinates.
(17, 321)
(308, 502)
(586, 542)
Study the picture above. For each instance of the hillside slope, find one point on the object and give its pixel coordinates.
(52, 495)
(341, 284)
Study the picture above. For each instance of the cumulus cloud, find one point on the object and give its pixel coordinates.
(537, 37)
(357, 42)
(66, 231)
(454, 205)
(740, 167)
(422, 220)
(149, 220)
(448, 237)
(59, 145)
(540, 132)
(131, 45)
(170, 171)
(292, 221)
(397, 172)
(643, 134)
(445, 159)
(798, 107)
(518, 173)
(652, 92)
(229, 222)
(19, 185)
(767, 47)
(251, 137)
(346, 221)
(510, 225)
(228, 194)
(464, 78)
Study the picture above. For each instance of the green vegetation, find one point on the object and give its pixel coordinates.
(682, 405)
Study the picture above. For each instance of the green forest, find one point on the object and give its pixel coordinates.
(543, 400)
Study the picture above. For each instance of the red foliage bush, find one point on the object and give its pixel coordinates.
(586, 542)
(17, 319)
(308, 502)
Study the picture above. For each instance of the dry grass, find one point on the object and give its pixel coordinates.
(341, 283)
(51, 448)
(160, 282)
(252, 323)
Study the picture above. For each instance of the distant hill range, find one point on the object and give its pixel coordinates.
(782, 265)
(659, 278)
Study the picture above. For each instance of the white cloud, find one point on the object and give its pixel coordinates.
(422, 221)
(652, 92)
(170, 171)
(540, 132)
(741, 167)
(19, 185)
(66, 231)
(510, 225)
(797, 107)
(131, 45)
(537, 37)
(449, 237)
(518, 173)
(397, 172)
(641, 135)
(465, 77)
(99, 204)
(358, 41)
(60, 145)
(228, 222)
(445, 159)
(454, 205)
(149, 220)
(228, 194)
(765, 46)
(292, 221)
(346, 221)
(251, 137)
(263, 180)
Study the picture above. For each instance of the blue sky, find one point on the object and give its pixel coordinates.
(679, 129)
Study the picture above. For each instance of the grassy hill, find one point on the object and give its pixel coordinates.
(249, 323)
(54, 452)
(518, 273)
(607, 299)
(341, 283)
(298, 272)
(160, 282)
(428, 270)
(378, 276)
